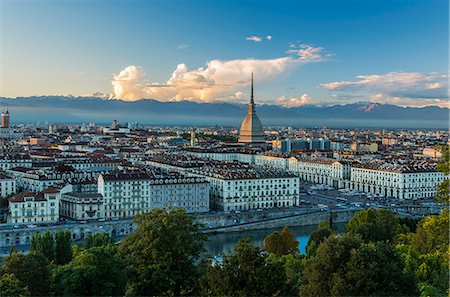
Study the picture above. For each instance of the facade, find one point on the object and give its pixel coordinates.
(322, 171)
(407, 181)
(128, 194)
(35, 207)
(82, 206)
(235, 187)
(7, 185)
(251, 128)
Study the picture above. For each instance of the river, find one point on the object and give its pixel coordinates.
(224, 243)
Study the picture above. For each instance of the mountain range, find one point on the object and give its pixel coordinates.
(63, 109)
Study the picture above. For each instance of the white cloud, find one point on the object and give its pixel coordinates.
(308, 53)
(400, 88)
(204, 84)
(218, 80)
(254, 38)
(293, 101)
(269, 37)
(182, 46)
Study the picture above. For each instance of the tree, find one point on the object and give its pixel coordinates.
(98, 239)
(443, 190)
(11, 286)
(373, 225)
(376, 269)
(97, 271)
(281, 244)
(44, 244)
(163, 253)
(33, 271)
(63, 249)
(324, 270)
(345, 266)
(246, 273)
(432, 234)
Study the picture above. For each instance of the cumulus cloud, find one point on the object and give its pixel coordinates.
(204, 84)
(269, 37)
(218, 80)
(293, 101)
(400, 88)
(254, 38)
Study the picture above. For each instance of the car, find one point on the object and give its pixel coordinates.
(101, 220)
(16, 226)
(114, 219)
(31, 226)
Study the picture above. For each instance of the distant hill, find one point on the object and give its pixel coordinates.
(60, 109)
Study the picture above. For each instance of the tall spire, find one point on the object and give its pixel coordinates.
(251, 105)
(251, 94)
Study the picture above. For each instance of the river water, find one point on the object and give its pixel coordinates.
(224, 243)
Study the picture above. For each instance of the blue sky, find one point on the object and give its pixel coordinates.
(319, 52)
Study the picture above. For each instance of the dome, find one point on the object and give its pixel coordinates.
(251, 128)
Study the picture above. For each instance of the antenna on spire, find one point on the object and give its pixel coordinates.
(251, 94)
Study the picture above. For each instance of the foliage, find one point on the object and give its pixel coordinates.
(11, 286)
(281, 244)
(63, 249)
(163, 253)
(432, 234)
(443, 190)
(293, 267)
(97, 239)
(346, 266)
(246, 273)
(319, 235)
(373, 225)
(44, 244)
(33, 271)
(97, 271)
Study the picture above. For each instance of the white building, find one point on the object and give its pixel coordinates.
(322, 170)
(34, 207)
(128, 194)
(82, 206)
(7, 185)
(405, 181)
(235, 186)
(9, 162)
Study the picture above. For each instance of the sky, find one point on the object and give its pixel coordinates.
(301, 52)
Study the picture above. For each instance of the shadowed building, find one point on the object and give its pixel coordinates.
(5, 119)
(251, 129)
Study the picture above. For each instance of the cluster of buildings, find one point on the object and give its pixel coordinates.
(85, 172)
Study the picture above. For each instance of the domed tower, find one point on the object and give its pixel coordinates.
(5, 119)
(251, 129)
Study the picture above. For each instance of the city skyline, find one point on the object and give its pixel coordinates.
(200, 51)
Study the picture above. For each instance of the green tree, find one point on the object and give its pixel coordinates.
(11, 286)
(97, 239)
(432, 234)
(373, 225)
(44, 244)
(324, 270)
(63, 249)
(281, 244)
(163, 253)
(376, 269)
(246, 273)
(33, 271)
(293, 268)
(443, 190)
(345, 266)
(97, 271)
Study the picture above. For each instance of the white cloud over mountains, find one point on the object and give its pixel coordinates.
(293, 101)
(400, 88)
(217, 80)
